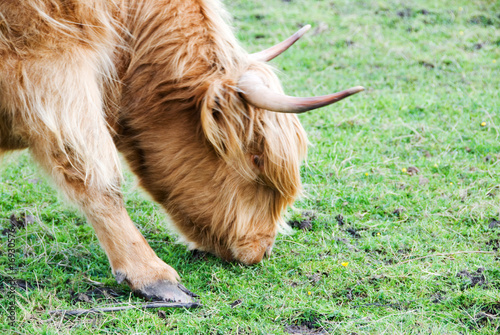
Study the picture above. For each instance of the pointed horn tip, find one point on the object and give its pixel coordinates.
(356, 89)
(305, 28)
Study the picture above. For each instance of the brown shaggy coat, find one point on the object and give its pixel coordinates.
(156, 80)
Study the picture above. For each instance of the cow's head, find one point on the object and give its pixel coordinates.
(227, 195)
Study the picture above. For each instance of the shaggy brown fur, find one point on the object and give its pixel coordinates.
(156, 79)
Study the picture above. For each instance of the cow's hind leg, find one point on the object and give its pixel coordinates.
(69, 137)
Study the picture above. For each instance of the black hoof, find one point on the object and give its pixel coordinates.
(166, 291)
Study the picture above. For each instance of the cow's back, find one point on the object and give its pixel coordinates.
(39, 28)
(54, 55)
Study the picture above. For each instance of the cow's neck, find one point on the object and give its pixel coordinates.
(175, 50)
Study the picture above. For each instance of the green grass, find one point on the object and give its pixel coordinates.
(431, 69)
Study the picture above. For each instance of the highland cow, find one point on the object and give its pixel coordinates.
(203, 124)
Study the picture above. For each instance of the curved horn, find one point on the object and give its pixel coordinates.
(278, 49)
(261, 96)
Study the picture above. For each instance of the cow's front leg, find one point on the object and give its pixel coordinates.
(57, 106)
(132, 259)
(92, 182)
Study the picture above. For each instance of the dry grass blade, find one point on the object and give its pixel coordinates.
(76, 312)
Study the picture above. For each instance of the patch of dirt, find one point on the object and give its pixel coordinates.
(487, 316)
(412, 170)
(236, 303)
(340, 220)
(348, 43)
(494, 244)
(405, 251)
(427, 65)
(482, 20)
(305, 220)
(388, 261)
(478, 46)
(494, 223)
(21, 284)
(438, 297)
(492, 310)
(376, 279)
(311, 215)
(378, 251)
(353, 232)
(323, 255)
(404, 13)
(349, 124)
(316, 277)
(198, 255)
(489, 158)
(349, 294)
(305, 225)
(402, 186)
(97, 294)
(397, 212)
(306, 328)
(19, 223)
(477, 278)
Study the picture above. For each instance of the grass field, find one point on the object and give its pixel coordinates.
(402, 188)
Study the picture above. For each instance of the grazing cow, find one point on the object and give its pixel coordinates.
(203, 124)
